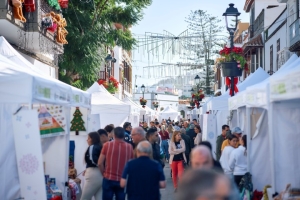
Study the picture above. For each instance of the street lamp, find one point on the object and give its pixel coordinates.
(232, 15)
(197, 81)
(109, 59)
(143, 91)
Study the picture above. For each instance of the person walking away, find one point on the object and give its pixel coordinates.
(170, 130)
(127, 127)
(110, 131)
(235, 131)
(115, 154)
(238, 161)
(176, 127)
(191, 133)
(224, 160)
(177, 157)
(138, 134)
(152, 137)
(93, 177)
(103, 137)
(186, 125)
(164, 143)
(188, 145)
(143, 177)
(220, 140)
(198, 137)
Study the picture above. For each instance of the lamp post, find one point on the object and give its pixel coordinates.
(109, 59)
(143, 91)
(231, 14)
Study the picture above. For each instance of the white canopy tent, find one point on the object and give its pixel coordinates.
(284, 118)
(256, 122)
(136, 111)
(148, 114)
(20, 85)
(169, 112)
(111, 109)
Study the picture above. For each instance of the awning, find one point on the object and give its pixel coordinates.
(255, 42)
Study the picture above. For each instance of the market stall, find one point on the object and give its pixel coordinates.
(167, 113)
(284, 118)
(136, 112)
(32, 107)
(111, 109)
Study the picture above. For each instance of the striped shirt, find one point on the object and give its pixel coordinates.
(117, 154)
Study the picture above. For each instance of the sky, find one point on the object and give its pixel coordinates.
(170, 15)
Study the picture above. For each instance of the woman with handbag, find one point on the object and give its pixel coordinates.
(93, 176)
(177, 157)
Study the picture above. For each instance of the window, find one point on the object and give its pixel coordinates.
(278, 45)
(271, 58)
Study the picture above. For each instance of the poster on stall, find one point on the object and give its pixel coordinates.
(29, 155)
(51, 120)
(93, 122)
(209, 131)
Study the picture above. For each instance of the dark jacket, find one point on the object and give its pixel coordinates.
(191, 133)
(128, 138)
(156, 153)
(92, 155)
(219, 143)
(188, 143)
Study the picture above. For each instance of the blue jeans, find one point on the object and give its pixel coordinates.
(111, 188)
(165, 148)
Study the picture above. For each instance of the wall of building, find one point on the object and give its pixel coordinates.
(263, 4)
(280, 34)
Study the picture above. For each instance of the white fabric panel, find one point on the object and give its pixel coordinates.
(285, 120)
(221, 117)
(242, 118)
(234, 120)
(9, 181)
(260, 157)
(80, 149)
(209, 131)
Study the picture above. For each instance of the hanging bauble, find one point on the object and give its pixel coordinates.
(29, 5)
(63, 3)
(52, 28)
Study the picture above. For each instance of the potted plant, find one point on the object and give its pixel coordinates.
(232, 61)
(155, 104)
(111, 85)
(198, 96)
(192, 103)
(143, 102)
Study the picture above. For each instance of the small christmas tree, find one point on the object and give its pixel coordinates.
(77, 122)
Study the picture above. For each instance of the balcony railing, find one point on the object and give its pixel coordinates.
(127, 86)
(258, 25)
(103, 75)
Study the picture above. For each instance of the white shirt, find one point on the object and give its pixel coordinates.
(238, 161)
(224, 160)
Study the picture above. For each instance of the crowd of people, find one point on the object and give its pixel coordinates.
(134, 158)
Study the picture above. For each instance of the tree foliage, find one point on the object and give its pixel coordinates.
(90, 31)
(204, 47)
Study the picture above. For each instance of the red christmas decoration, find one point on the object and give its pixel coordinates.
(52, 28)
(29, 5)
(63, 3)
(228, 84)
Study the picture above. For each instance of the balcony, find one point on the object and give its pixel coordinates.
(294, 36)
(103, 75)
(258, 25)
(29, 35)
(127, 87)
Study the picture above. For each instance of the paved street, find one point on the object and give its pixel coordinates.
(168, 192)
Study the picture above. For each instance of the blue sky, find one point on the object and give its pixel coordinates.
(170, 15)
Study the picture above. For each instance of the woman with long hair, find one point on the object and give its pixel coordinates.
(177, 157)
(164, 141)
(225, 157)
(238, 160)
(198, 137)
(170, 130)
(93, 176)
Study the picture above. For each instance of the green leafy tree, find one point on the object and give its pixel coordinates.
(90, 32)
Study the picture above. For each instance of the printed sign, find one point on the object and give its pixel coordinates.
(29, 155)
